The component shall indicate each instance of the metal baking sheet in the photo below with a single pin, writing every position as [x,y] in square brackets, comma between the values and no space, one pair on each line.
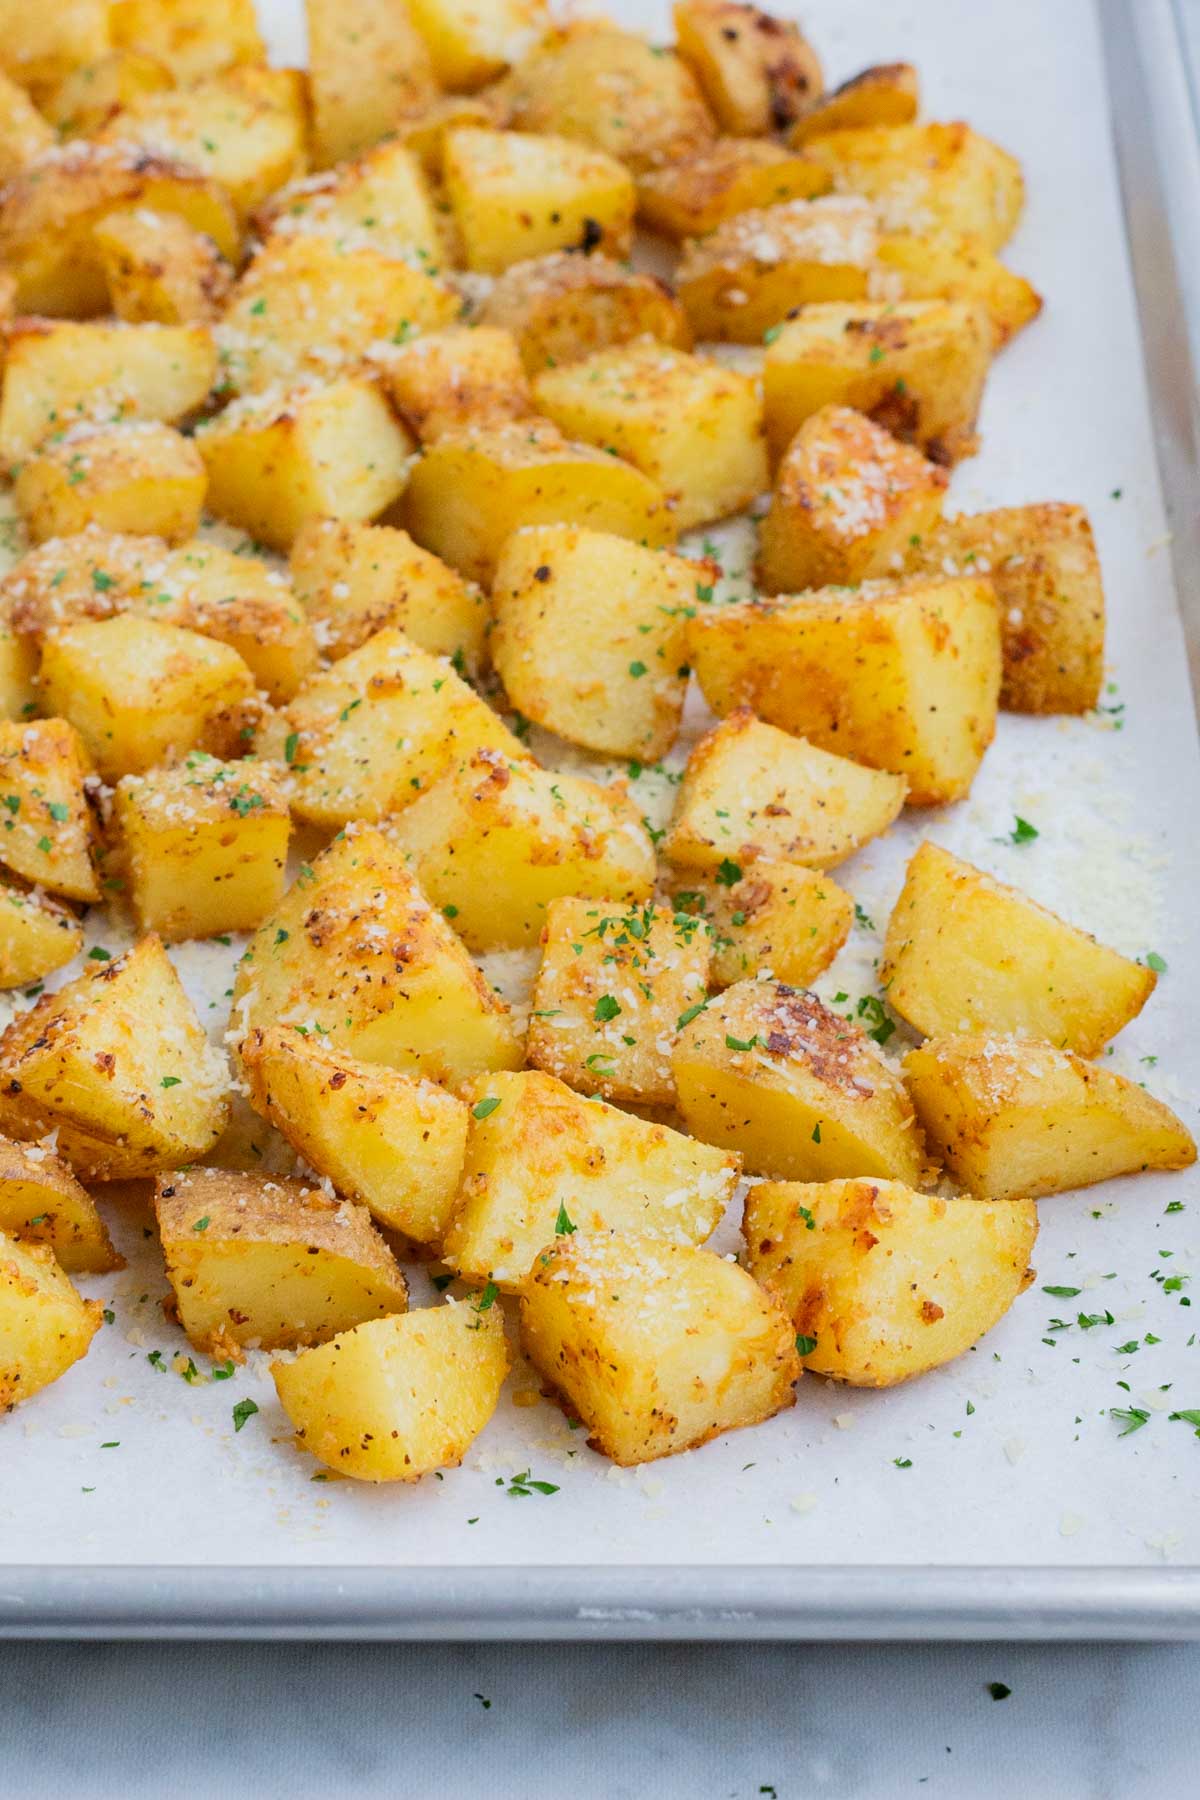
[996,1496]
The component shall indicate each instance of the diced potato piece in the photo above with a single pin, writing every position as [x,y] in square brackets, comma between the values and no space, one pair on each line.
[467,375]
[947,266]
[886,1283]
[115,1063]
[393,1141]
[614,90]
[1043,564]
[41,45]
[37,936]
[589,638]
[356,956]
[904,678]
[886,94]
[136,690]
[311,306]
[928,178]
[47,828]
[397,1398]
[24,133]
[239,601]
[159,269]
[473,41]
[693,427]
[800,1092]
[758,72]
[964,952]
[657,1347]
[44,1324]
[82,577]
[381,727]
[850,503]
[918,369]
[355,580]
[140,476]
[244,128]
[333,451]
[542,1161]
[515,195]
[206,845]
[42,1203]
[609,996]
[1009,1117]
[59,374]
[731,176]
[381,198]
[562,307]
[495,841]
[18,670]
[193,38]
[472,489]
[49,211]
[86,100]
[258,1260]
[778,919]
[765,266]
[751,791]
[425,132]
[369,67]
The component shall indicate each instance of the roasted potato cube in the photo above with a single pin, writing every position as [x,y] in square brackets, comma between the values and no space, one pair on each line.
[609,995]
[884,1283]
[310,306]
[918,369]
[160,270]
[954,267]
[42,1203]
[473,488]
[471,43]
[115,1063]
[1009,1117]
[368,68]
[731,176]
[355,955]
[59,374]
[905,678]
[239,601]
[964,952]
[1043,565]
[380,198]
[49,211]
[333,450]
[24,133]
[467,375]
[47,829]
[270,1263]
[37,936]
[18,667]
[381,727]
[562,307]
[764,266]
[141,476]
[614,90]
[425,132]
[657,1347]
[42,45]
[777,919]
[693,427]
[136,690]
[84,102]
[758,72]
[44,1324]
[393,1141]
[928,178]
[193,38]
[205,844]
[494,841]
[800,1092]
[396,1398]
[886,94]
[751,791]
[589,638]
[515,195]
[542,1161]
[850,503]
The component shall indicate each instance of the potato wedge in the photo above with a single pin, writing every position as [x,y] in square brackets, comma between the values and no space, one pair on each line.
[44,1324]
[48,831]
[42,1203]
[777,918]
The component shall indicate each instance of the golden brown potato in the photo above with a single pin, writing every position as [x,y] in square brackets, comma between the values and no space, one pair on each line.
[193,38]
[953,266]
[84,102]
[48,830]
[140,476]
[562,307]
[369,66]
[37,935]
[472,44]
[881,1283]
[43,44]
[465,375]
[380,198]
[731,176]
[657,1347]
[24,133]
[886,94]
[762,267]
[159,269]
[928,178]
[776,919]
[42,1203]
[758,72]
[516,195]
[44,1325]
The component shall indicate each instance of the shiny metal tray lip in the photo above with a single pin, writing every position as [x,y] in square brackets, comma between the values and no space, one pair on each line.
[1154,96]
